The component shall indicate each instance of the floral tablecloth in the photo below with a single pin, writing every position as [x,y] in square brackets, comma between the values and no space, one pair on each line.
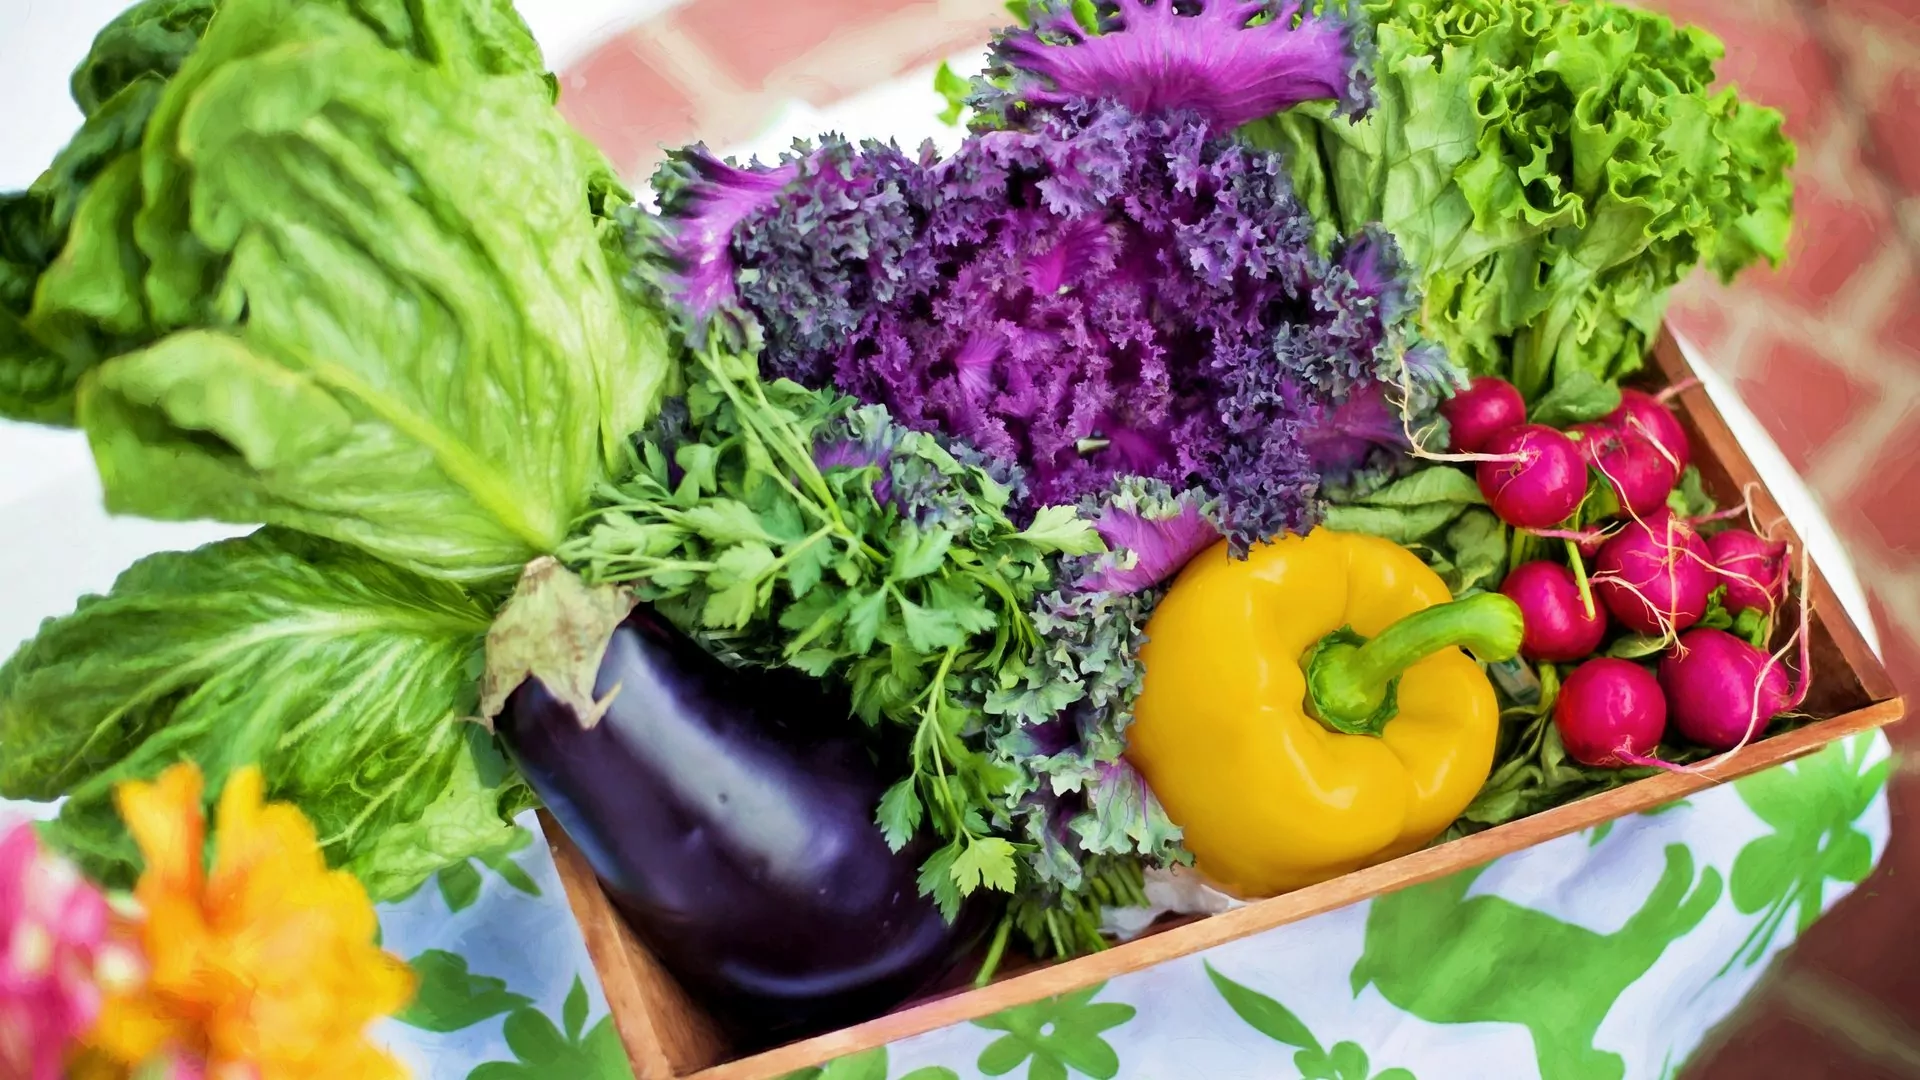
[1604,955]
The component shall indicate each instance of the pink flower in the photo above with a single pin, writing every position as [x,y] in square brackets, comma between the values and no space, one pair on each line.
[54,954]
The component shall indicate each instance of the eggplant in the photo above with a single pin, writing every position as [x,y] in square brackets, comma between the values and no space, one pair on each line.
[730,816]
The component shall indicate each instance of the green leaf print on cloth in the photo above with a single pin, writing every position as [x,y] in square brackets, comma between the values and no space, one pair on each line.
[460,883]
[868,1065]
[1448,959]
[1813,806]
[451,998]
[546,1052]
[1061,1036]
[1346,1061]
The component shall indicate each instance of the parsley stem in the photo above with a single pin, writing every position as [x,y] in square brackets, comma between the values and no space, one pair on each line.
[994,952]
[756,422]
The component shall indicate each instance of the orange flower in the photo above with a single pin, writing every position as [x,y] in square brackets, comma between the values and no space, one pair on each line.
[264,967]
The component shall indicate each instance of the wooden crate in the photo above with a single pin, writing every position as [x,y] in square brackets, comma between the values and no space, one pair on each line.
[668,1038]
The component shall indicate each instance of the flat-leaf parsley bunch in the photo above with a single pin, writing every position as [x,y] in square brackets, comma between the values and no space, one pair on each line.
[792,527]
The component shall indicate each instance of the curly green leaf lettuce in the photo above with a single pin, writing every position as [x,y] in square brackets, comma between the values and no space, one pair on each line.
[1552,169]
[344,678]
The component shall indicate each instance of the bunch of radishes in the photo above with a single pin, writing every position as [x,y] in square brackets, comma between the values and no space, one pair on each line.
[1654,573]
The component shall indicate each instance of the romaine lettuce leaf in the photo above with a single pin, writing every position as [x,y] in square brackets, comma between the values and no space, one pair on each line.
[69,270]
[339,267]
[346,679]
[403,329]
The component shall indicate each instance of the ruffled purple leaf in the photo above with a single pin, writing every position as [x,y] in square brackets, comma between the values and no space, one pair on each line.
[1100,295]
[845,453]
[1151,534]
[1123,815]
[1227,61]
[702,200]
[1352,436]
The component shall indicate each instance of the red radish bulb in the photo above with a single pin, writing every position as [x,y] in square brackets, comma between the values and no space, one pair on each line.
[1485,408]
[1540,489]
[1608,707]
[1639,474]
[1753,569]
[1642,414]
[1721,689]
[1558,628]
[1655,575]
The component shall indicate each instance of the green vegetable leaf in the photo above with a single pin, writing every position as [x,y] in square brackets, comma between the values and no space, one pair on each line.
[1412,508]
[380,335]
[1061,529]
[987,861]
[1477,541]
[1431,486]
[1402,526]
[955,90]
[451,998]
[1689,498]
[346,679]
[919,552]
[70,292]
[1636,647]
[900,813]
[1575,399]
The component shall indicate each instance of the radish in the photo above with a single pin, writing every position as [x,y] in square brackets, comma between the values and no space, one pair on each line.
[1655,575]
[1559,626]
[1644,415]
[1639,474]
[1723,691]
[1537,478]
[1753,569]
[1485,408]
[1610,713]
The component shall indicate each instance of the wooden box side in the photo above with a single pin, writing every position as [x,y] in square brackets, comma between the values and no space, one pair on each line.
[669,1039]
[665,1033]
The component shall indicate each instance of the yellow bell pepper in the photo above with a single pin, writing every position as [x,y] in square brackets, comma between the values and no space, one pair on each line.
[1306,712]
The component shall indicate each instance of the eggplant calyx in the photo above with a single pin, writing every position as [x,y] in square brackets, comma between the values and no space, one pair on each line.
[555,628]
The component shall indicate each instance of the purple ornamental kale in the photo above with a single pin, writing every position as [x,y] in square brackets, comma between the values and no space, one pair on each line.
[1110,288]
[1229,61]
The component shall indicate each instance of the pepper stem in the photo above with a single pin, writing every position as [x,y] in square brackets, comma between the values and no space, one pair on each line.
[1353,683]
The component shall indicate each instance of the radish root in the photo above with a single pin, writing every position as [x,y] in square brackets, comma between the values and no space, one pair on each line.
[1676,389]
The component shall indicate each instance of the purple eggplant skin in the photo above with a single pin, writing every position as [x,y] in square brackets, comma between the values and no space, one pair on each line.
[730,816]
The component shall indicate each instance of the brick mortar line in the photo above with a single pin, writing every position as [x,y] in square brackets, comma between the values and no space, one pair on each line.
[1863,1024]
[682,61]
[1820,25]
[826,61]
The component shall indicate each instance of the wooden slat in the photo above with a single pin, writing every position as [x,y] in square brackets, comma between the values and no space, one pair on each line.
[665,1033]
[669,1039]
[1201,935]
